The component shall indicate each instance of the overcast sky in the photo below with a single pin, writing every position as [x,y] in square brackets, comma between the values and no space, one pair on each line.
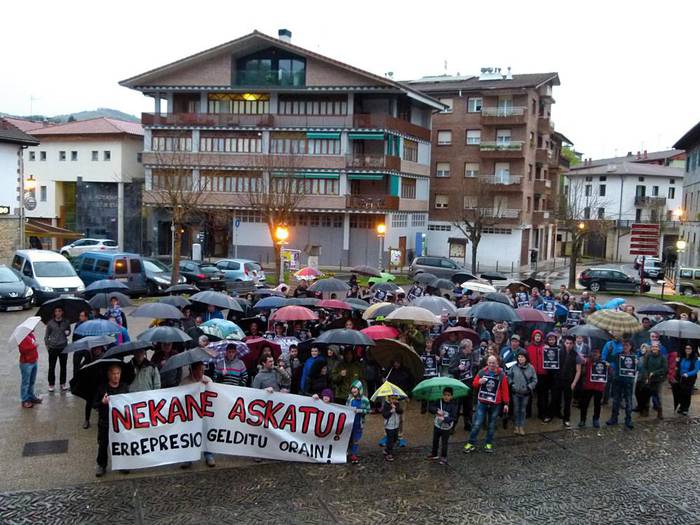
[629,70]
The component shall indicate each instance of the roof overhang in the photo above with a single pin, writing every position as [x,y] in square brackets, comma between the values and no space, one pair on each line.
[688,140]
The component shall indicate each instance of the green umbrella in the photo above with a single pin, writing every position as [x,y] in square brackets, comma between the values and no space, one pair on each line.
[431,389]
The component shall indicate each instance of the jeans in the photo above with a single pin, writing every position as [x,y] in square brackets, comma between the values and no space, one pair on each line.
[355,438]
[519,408]
[622,391]
[585,399]
[55,354]
[392,436]
[484,410]
[438,436]
[28,374]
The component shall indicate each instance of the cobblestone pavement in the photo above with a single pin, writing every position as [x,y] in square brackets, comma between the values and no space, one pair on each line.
[648,475]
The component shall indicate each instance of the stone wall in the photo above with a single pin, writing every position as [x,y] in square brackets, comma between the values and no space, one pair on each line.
[9,238]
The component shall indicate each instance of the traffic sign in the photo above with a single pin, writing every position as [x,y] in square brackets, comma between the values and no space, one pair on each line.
[237,223]
[4,210]
[644,239]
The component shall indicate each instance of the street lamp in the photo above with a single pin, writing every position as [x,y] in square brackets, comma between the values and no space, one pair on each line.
[681,245]
[581,225]
[281,236]
[381,230]
[30,183]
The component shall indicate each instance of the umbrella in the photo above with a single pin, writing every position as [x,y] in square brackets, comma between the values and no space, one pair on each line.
[220,347]
[84,383]
[245,306]
[72,306]
[531,282]
[559,309]
[387,351]
[613,303]
[530,315]
[182,288]
[157,311]
[386,287]
[265,292]
[494,276]
[256,344]
[379,310]
[88,343]
[464,312]
[270,302]
[105,286]
[379,331]
[222,329]
[186,358]
[357,304]
[384,277]
[329,285]
[175,300]
[127,349]
[493,311]
[218,299]
[514,286]
[587,330]
[498,297]
[677,328]
[388,389]
[302,301]
[293,313]
[343,336]
[436,305]
[431,389]
[97,327]
[24,329]
[363,269]
[656,309]
[413,315]
[476,286]
[442,284]
[679,308]
[307,274]
[462,277]
[424,277]
[462,333]
[333,304]
[103,300]
[614,321]
[164,334]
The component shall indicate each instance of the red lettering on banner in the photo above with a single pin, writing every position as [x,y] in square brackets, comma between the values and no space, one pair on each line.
[237,410]
[176,411]
[289,419]
[306,417]
[270,420]
[123,418]
[341,425]
[254,409]
[207,396]
[154,411]
[139,416]
[329,424]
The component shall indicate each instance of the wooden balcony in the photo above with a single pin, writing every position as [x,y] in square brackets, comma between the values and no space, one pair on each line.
[543,185]
[543,155]
[373,162]
[545,126]
[376,120]
[511,116]
[502,150]
[206,119]
[540,216]
[371,202]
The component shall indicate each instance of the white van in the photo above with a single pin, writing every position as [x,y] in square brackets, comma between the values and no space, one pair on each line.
[48,273]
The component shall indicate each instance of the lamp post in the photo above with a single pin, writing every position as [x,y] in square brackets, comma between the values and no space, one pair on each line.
[681,245]
[381,230]
[27,202]
[281,236]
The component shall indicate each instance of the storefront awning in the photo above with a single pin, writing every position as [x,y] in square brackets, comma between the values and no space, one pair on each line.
[323,135]
[366,136]
[42,229]
[365,176]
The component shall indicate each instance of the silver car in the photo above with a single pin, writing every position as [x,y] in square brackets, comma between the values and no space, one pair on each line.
[440,267]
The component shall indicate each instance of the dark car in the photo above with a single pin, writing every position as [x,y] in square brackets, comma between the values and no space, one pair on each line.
[158,276]
[440,267]
[203,276]
[14,293]
[598,279]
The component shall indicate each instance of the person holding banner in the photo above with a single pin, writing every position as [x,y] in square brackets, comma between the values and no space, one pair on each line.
[111,387]
[197,375]
[566,380]
[624,371]
[266,378]
[595,377]
[463,369]
[360,405]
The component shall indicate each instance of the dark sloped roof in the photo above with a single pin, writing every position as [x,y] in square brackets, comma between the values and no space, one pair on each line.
[654,155]
[14,135]
[691,138]
[446,83]
[627,168]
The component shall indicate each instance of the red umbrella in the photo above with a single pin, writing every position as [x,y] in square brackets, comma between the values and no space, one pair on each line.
[335,304]
[308,273]
[293,313]
[380,332]
[255,345]
[462,333]
[530,315]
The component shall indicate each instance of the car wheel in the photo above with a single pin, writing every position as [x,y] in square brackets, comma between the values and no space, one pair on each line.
[688,291]
[594,287]
[152,289]
[638,288]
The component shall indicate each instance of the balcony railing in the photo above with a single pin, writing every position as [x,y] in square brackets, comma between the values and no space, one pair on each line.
[540,215]
[368,120]
[542,185]
[503,213]
[371,202]
[543,155]
[500,179]
[369,161]
[641,200]
[503,112]
[513,145]
[206,119]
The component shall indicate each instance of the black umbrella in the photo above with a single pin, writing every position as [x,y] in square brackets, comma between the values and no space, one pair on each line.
[84,383]
[462,277]
[494,276]
[182,288]
[245,306]
[88,343]
[127,349]
[157,311]
[369,271]
[386,287]
[534,283]
[424,277]
[498,298]
[309,302]
[494,311]
[186,358]
[218,299]
[442,284]
[105,286]
[588,330]
[343,336]
[265,292]
[174,300]
[329,285]
[164,334]
[103,300]
[357,304]
[72,306]
[656,309]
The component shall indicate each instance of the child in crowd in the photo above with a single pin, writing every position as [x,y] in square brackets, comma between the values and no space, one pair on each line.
[391,410]
[446,411]
[115,311]
[360,404]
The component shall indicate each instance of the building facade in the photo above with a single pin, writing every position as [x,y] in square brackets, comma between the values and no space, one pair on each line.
[356,145]
[690,226]
[495,149]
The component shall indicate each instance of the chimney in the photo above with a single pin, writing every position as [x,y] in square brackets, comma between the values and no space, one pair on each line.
[645,154]
[509,75]
[285,35]
[639,154]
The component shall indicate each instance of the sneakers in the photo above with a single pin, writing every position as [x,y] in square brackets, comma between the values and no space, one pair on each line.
[100,471]
[210,461]
[468,448]
[388,457]
[611,422]
[547,419]
[86,424]
[432,458]
[443,461]
[567,424]
[522,431]
[629,425]
[596,423]
[581,424]
[488,447]
[64,387]
[683,412]
[36,400]
[354,459]
[51,388]
[27,404]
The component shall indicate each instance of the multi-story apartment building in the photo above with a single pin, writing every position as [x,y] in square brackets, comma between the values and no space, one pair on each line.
[690,211]
[245,111]
[494,141]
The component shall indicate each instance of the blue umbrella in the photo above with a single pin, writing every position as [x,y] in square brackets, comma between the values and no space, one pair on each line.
[222,329]
[613,303]
[267,303]
[97,327]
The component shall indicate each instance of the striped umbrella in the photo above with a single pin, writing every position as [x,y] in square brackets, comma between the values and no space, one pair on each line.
[614,321]
[307,274]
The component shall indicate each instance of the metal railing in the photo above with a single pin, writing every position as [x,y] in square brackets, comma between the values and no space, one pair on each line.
[513,145]
[516,111]
[505,180]
[643,200]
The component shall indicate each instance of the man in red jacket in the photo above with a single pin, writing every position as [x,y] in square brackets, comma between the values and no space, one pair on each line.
[28,358]
[491,387]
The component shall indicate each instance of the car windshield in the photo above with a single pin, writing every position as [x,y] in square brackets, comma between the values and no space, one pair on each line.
[111,244]
[8,276]
[155,266]
[54,269]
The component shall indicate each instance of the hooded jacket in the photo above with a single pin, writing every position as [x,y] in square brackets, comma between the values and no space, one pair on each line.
[306,372]
[360,403]
[522,379]
[28,353]
[266,379]
[502,395]
[534,353]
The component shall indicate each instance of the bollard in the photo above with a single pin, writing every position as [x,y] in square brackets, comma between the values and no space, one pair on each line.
[496,265]
[511,268]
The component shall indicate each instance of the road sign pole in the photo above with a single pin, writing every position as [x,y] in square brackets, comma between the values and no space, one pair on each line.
[236,225]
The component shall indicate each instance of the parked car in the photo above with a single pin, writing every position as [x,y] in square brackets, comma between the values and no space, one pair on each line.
[653,268]
[88,245]
[158,276]
[689,280]
[238,270]
[14,293]
[441,267]
[47,273]
[203,276]
[599,279]
[124,267]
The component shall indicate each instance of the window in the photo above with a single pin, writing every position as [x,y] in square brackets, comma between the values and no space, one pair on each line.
[139,157]
[589,179]
[655,191]
[497,231]
[672,181]
[602,178]
[135,265]
[587,212]
[96,155]
[442,169]
[42,193]
[88,264]
[638,215]
[601,213]
[408,188]
[471,169]
[174,143]
[306,186]
[449,103]
[672,193]
[410,150]
[640,191]
[73,155]
[239,104]
[474,104]
[271,67]
[42,155]
[418,219]
[601,190]
[61,155]
[441,201]
[227,143]
[439,228]
[444,138]
[470,202]
[102,266]
[230,182]
[588,190]
[641,179]
[474,136]
[106,155]
[399,220]
[529,172]
[315,106]
[503,136]
[532,138]
[32,155]
[529,204]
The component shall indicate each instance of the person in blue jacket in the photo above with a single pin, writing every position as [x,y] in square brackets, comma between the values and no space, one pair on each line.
[686,375]
[610,351]
[212,313]
[306,371]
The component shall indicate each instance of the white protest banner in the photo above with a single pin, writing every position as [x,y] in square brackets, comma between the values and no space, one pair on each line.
[157,427]
[287,427]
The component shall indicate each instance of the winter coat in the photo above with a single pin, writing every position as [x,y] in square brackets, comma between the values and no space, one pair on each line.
[653,369]
[391,420]
[102,409]
[534,353]
[360,403]
[232,373]
[55,336]
[146,377]
[266,379]
[341,384]
[28,353]
[522,379]
[502,395]
[306,372]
